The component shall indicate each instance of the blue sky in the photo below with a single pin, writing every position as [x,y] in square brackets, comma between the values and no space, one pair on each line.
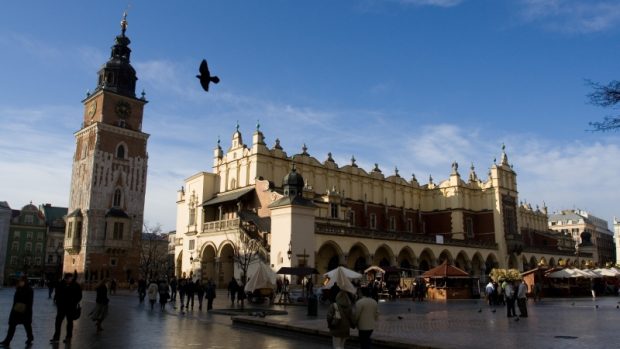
[415,84]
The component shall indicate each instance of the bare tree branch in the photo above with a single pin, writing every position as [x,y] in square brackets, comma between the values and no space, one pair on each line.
[607,96]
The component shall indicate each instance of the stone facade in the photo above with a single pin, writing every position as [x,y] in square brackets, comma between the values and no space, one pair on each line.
[617,239]
[5,222]
[108,183]
[25,249]
[589,232]
[55,234]
[357,217]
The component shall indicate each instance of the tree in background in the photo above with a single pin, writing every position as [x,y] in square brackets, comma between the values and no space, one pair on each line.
[246,251]
[154,261]
[607,96]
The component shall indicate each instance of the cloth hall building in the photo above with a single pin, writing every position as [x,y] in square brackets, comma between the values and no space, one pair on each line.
[298,211]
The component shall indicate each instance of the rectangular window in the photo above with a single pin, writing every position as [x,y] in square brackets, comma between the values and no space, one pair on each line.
[29,219]
[113,262]
[78,231]
[373,221]
[16,235]
[410,225]
[15,246]
[352,218]
[392,223]
[28,247]
[38,248]
[70,230]
[39,236]
[50,259]
[28,260]
[192,244]
[13,260]
[29,235]
[117,234]
[333,208]
[469,227]
[37,261]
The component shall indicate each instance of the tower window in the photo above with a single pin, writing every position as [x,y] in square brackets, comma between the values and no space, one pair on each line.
[117,198]
[120,152]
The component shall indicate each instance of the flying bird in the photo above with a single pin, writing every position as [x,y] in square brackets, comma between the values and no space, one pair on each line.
[205,76]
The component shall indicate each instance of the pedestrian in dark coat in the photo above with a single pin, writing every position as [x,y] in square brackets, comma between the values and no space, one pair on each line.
[200,292]
[210,293]
[68,296]
[190,290]
[141,289]
[21,312]
[233,286]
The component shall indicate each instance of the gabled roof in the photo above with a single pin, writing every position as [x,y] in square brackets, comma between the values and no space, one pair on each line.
[445,270]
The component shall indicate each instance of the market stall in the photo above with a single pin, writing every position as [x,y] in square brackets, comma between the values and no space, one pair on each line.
[449,282]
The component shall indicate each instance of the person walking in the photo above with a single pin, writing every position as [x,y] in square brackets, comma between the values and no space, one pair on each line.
[232,290]
[366,316]
[164,294]
[490,291]
[141,289]
[182,288]
[173,289]
[340,319]
[152,293]
[522,298]
[113,287]
[100,312]
[190,290]
[21,312]
[200,292]
[241,296]
[509,294]
[210,293]
[51,284]
[68,296]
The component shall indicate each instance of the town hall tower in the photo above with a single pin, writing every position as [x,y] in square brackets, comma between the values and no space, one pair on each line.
[108,180]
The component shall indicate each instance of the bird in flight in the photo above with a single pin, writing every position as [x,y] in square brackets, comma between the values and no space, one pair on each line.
[205,76]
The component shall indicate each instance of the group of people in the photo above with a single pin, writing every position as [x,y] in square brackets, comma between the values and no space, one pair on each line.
[67,296]
[350,311]
[509,293]
[186,288]
[236,291]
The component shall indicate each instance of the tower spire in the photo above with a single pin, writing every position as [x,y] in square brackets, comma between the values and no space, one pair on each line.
[124,24]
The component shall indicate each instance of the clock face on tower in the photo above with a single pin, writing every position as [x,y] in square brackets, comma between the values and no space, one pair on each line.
[92,109]
[123,109]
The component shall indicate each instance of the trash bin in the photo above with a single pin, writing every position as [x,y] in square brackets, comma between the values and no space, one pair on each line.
[313,304]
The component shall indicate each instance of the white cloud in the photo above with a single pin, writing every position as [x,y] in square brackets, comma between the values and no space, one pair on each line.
[573,16]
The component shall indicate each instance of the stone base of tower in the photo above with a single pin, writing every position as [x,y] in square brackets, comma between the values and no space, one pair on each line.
[97,266]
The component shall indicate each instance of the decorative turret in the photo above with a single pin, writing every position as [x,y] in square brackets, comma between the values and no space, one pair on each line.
[472,174]
[293,183]
[117,74]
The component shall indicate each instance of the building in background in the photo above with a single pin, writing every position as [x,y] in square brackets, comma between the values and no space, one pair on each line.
[108,181]
[26,242]
[589,233]
[5,222]
[298,211]
[54,246]
[617,239]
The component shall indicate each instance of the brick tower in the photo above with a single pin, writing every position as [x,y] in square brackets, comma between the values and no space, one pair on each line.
[108,180]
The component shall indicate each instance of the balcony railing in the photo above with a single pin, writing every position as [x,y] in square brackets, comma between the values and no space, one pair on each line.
[398,236]
[216,226]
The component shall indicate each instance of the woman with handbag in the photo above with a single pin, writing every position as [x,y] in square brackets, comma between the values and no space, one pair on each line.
[340,319]
[21,312]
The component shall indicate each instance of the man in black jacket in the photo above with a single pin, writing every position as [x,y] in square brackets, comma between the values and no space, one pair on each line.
[68,295]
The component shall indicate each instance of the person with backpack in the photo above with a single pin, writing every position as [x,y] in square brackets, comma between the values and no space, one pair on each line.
[340,319]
